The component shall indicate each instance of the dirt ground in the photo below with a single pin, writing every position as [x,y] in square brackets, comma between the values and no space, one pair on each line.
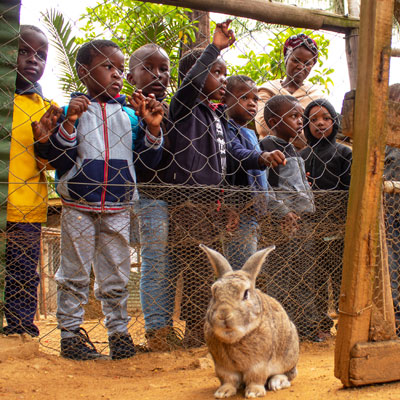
[28,370]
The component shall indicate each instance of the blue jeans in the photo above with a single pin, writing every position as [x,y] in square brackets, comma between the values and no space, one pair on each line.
[243,242]
[22,279]
[157,290]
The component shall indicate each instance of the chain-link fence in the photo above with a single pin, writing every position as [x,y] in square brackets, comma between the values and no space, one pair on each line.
[123,259]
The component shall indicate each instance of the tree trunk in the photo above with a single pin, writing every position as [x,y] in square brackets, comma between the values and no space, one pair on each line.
[201,20]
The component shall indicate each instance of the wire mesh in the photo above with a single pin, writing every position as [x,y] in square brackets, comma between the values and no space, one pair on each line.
[121,262]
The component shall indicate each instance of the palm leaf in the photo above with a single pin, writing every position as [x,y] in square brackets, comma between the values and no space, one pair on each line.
[66,48]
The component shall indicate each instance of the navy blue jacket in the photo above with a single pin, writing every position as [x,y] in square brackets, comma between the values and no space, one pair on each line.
[194,157]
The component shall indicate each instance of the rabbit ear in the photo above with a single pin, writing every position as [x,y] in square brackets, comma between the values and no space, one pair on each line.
[218,261]
[253,265]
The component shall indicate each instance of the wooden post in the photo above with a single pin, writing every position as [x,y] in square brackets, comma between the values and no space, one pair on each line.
[352,44]
[361,240]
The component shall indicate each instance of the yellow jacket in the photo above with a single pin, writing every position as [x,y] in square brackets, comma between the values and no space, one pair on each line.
[27,186]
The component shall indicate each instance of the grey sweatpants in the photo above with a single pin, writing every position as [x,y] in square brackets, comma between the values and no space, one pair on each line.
[99,240]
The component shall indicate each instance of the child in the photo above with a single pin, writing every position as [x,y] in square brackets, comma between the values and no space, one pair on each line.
[149,71]
[92,151]
[292,283]
[198,156]
[27,188]
[241,99]
[328,167]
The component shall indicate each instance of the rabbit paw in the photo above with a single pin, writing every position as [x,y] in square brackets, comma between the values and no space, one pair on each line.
[225,390]
[278,382]
[253,390]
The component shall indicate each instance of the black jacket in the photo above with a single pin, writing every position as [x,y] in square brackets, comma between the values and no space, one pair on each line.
[194,152]
[327,162]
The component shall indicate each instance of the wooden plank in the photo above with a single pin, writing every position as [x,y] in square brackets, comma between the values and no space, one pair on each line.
[362,239]
[383,326]
[375,362]
[393,119]
[273,13]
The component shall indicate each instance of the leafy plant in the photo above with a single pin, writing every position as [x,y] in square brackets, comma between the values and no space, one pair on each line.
[66,48]
[265,66]
[131,24]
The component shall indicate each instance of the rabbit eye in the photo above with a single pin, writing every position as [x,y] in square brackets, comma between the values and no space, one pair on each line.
[246,294]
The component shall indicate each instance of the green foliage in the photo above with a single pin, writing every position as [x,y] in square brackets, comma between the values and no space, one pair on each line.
[141,23]
[66,48]
[130,24]
[262,67]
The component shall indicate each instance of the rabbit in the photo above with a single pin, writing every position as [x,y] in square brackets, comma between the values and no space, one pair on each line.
[248,333]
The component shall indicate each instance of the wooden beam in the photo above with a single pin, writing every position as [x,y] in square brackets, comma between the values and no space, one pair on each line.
[383,325]
[393,119]
[375,362]
[395,52]
[273,13]
[361,239]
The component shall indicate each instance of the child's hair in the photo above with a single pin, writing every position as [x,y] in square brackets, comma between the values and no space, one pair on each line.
[91,49]
[24,28]
[235,80]
[136,57]
[276,104]
[394,92]
[187,61]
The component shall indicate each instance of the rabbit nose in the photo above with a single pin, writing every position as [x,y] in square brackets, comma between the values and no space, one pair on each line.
[224,313]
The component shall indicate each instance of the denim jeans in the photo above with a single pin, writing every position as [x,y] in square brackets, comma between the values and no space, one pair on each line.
[22,279]
[243,242]
[157,290]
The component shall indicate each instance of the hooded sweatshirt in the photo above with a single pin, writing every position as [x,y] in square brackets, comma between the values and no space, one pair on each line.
[95,161]
[327,162]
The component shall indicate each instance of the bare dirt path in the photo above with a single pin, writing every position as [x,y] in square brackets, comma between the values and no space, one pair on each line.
[26,372]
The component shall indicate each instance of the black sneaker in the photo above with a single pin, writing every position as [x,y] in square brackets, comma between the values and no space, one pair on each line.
[79,347]
[31,330]
[121,346]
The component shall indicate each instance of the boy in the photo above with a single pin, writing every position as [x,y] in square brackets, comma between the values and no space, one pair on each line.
[149,71]
[198,156]
[292,284]
[328,166]
[241,100]
[92,151]
[27,188]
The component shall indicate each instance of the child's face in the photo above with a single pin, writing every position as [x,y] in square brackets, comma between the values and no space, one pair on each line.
[32,55]
[215,84]
[242,103]
[290,124]
[321,123]
[152,74]
[103,77]
[299,64]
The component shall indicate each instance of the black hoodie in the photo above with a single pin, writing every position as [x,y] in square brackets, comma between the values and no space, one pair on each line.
[327,162]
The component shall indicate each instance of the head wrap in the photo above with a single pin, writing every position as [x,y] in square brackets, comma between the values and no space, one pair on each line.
[295,41]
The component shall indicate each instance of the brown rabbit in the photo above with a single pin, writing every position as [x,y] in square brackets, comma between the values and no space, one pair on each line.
[248,333]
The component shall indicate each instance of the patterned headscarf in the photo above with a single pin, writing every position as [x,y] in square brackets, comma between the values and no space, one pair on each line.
[295,41]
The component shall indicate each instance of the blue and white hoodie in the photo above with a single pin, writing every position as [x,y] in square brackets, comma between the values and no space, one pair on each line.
[95,162]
